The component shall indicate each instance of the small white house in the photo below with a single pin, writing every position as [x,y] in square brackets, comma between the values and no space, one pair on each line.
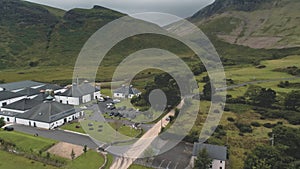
[78,94]
[126,92]
[48,115]
[218,154]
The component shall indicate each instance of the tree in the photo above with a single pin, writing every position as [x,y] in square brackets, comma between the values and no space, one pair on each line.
[292,101]
[267,157]
[203,161]
[259,96]
[73,155]
[289,138]
[85,149]
[2,122]
[208,90]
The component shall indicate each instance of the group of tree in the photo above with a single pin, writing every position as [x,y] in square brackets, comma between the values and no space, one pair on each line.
[284,153]
[164,82]
[259,96]
[292,101]
[2,122]
[203,160]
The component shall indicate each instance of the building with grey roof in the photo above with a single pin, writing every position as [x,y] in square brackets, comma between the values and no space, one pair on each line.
[78,94]
[16,86]
[126,92]
[48,115]
[218,154]
[7,97]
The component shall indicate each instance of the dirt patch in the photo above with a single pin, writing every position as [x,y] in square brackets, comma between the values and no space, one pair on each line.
[64,150]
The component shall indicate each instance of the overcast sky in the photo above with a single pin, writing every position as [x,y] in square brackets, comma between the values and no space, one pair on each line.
[181,8]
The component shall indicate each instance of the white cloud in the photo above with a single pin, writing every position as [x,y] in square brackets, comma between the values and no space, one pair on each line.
[181,8]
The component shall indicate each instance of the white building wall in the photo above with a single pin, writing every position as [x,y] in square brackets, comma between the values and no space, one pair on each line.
[8,118]
[12,100]
[67,100]
[97,95]
[218,164]
[73,100]
[32,122]
[11,110]
[52,125]
[86,98]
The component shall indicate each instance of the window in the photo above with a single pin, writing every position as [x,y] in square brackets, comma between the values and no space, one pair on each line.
[221,167]
[221,161]
[4,104]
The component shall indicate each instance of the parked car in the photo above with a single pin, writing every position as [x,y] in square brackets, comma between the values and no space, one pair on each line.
[116,101]
[8,128]
[116,114]
[109,104]
[102,99]
[111,107]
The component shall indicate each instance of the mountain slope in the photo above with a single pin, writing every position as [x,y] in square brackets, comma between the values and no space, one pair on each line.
[33,34]
[253,23]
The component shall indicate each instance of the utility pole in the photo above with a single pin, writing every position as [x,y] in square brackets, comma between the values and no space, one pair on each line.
[272,140]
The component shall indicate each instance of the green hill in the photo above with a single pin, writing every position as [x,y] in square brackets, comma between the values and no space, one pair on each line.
[33,34]
[254,23]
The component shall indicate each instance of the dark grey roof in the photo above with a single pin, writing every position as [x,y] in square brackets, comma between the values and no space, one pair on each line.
[50,86]
[28,91]
[79,91]
[5,95]
[214,151]
[48,111]
[126,90]
[20,85]
[40,97]
[23,105]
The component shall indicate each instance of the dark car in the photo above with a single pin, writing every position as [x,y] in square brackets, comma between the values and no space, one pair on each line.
[116,114]
[111,107]
[111,114]
[8,128]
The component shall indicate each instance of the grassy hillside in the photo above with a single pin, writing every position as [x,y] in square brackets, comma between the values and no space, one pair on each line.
[257,24]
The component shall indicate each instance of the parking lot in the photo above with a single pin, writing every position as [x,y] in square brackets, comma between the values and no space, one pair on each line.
[177,158]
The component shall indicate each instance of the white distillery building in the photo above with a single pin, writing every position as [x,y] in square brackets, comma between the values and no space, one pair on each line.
[7,97]
[49,115]
[78,94]
[126,92]
[218,154]
[10,111]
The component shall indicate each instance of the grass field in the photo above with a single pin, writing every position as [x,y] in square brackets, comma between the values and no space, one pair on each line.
[27,142]
[72,127]
[90,160]
[136,166]
[12,161]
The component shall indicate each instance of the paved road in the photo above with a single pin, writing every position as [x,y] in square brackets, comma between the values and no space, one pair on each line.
[58,135]
[143,143]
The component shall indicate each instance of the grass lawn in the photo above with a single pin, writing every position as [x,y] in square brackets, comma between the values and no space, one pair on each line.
[126,130]
[90,160]
[136,166]
[12,161]
[110,159]
[72,127]
[27,142]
